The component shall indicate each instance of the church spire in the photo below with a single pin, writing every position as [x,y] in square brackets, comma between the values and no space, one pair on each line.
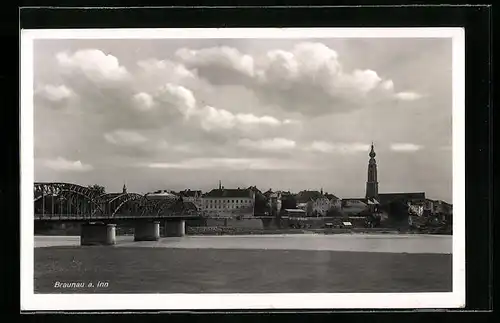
[372,183]
[372,152]
[124,189]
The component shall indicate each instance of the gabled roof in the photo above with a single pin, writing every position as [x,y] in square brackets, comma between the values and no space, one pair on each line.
[306,196]
[189,193]
[331,196]
[229,193]
[268,193]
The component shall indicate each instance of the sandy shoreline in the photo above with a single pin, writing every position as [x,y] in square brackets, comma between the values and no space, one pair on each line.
[399,243]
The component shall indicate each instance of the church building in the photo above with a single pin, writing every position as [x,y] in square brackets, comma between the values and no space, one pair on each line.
[373,200]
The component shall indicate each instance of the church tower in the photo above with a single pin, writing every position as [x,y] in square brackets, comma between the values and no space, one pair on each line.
[124,189]
[372,183]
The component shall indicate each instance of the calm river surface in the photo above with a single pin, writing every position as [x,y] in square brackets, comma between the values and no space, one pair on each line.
[391,243]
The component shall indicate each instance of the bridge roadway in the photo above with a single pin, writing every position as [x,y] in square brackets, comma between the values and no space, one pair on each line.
[109,219]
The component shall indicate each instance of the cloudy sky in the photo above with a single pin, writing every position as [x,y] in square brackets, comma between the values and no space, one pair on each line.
[286,114]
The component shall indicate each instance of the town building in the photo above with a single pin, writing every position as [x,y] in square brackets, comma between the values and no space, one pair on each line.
[223,202]
[194,197]
[335,202]
[162,195]
[274,200]
[316,203]
[321,205]
[354,206]
[439,208]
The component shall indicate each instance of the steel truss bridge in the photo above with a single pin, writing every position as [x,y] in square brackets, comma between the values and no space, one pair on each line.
[66,201]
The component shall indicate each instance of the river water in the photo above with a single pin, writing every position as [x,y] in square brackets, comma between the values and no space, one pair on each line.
[391,243]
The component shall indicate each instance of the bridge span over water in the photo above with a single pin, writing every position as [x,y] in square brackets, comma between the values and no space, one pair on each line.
[99,214]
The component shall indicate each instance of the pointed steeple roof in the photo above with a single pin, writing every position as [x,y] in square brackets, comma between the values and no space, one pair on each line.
[372,151]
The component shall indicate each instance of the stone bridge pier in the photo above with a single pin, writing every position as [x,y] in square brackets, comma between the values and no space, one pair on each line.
[175,228]
[147,231]
[97,234]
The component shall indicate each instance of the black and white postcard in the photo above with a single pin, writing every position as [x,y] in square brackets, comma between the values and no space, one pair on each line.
[231,168]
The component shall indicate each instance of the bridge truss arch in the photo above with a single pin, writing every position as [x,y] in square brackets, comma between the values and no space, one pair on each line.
[64,198]
[75,201]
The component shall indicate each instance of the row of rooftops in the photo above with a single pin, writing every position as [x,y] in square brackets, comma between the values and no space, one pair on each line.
[301,197]
[248,193]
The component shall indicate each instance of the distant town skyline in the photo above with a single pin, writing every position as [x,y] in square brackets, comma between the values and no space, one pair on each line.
[285,114]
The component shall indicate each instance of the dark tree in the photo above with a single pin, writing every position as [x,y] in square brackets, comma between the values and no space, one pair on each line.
[397,210]
[261,204]
[98,189]
[288,202]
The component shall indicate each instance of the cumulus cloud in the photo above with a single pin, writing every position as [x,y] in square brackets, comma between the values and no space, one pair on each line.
[327,147]
[408,96]
[222,108]
[157,67]
[183,100]
[223,58]
[62,164]
[405,147]
[212,118]
[153,73]
[178,97]
[267,144]
[309,78]
[143,101]
[55,93]
[95,64]
[232,163]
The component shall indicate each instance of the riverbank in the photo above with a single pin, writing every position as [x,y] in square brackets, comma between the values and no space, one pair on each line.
[399,243]
[209,231]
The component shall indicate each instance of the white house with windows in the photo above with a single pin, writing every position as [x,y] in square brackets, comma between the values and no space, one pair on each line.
[321,205]
[316,203]
[228,203]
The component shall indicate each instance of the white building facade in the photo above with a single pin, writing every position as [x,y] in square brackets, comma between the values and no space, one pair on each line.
[228,203]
